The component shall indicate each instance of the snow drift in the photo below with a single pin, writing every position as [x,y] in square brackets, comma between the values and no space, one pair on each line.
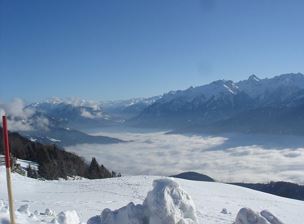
[167,203]
[67,217]
[248,216]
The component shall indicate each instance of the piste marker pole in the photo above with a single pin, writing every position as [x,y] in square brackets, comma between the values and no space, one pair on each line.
[8,170]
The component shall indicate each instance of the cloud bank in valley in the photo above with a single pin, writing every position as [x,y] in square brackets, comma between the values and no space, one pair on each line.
[250,158]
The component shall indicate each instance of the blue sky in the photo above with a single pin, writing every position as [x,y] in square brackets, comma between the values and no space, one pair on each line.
[117,49]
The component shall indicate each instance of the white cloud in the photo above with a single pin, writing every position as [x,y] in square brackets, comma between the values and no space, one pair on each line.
[91,115]
[226,158]
[16,108]
[41,123]
[20,117]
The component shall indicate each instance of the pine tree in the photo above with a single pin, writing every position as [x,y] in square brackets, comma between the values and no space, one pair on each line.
[94,169]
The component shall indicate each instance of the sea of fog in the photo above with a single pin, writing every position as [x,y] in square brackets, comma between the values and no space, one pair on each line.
[229,157]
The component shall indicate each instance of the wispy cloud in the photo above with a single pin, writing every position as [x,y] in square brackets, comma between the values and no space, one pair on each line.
[226,158]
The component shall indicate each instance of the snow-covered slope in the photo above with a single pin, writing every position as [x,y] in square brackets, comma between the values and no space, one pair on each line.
[89,197]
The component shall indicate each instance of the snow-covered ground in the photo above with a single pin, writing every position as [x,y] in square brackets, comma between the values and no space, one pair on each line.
[23,163]
[215,202]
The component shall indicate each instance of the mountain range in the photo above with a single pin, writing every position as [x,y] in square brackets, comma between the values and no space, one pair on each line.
[270,105]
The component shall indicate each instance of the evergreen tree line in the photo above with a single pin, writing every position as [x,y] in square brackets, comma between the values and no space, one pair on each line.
[53,162]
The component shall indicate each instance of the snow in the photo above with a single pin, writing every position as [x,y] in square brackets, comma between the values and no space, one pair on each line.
[33,139]
[215,89]
[130,214]
[49,212]
[270,217]
[248,216]
[167,203]
[24,209]
[25,164]
[89,198]
[254,78]
[229,89]
[53,139]
[68,217]
[129,102]
[255,87]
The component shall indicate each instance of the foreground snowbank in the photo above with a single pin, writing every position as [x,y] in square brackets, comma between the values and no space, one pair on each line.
[167,203]
[24,216]
[215,202]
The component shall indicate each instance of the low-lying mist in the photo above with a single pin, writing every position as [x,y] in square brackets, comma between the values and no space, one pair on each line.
[229,158]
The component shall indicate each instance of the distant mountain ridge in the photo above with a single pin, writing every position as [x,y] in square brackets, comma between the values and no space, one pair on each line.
[279,188]
[194,176]
[85,114]
[126,109]
[73,113]
[64,121]
[270,105]
[58,121]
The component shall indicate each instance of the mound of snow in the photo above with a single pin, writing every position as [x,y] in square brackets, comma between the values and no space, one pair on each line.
[3,207]
[167,203]
[24,209]
[130,214]
[24,216]
[248,216]
[49,212]
[67,217]
[270,217]
[224,211]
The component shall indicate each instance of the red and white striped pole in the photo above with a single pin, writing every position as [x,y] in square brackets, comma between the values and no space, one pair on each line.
[8,170]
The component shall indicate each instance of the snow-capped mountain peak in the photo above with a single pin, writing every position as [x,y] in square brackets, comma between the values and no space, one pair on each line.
[54,100]
[254,78]
[213,90]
